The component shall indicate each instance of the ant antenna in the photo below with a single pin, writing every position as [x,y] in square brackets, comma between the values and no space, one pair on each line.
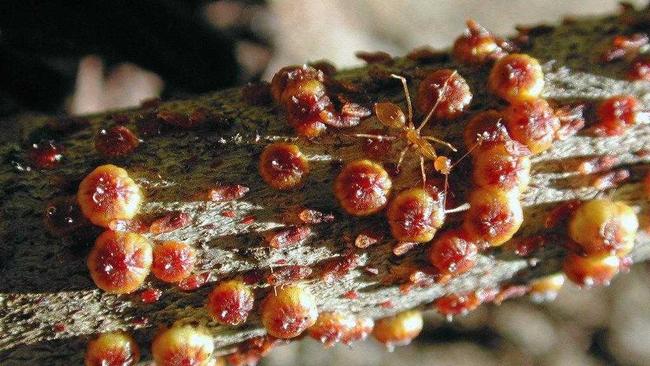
[408,97]
[479,141]
[434,139]
[441,94]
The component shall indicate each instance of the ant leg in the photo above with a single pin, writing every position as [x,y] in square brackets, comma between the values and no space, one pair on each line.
[374,137]
[401,157]
[441,94]
[408,97]
[424,176]
[460,208]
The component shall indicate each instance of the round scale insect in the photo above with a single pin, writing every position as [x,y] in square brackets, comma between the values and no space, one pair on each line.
[116,141]
[107,194]
[415,216]
[399,329]
[331,327]
[494,215]
[362,187]
[182,345]
[447,91]
[484,129]
[45,154]
[532,123]
[591,270]
[230,302]
[173,261]
[453,253]
[302,92]
[499,166]
[63,216]
[289,80]
[602,226]
[616,114]
[112,349]
[251,351]
[288,311]
[457,304]
[119,262]
[516,78]
[283,166]
[476,46]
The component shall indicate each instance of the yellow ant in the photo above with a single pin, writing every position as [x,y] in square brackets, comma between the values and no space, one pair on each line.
[392,116]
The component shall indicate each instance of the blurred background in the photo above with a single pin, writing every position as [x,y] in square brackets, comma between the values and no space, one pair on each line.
[84,57]
[60,56]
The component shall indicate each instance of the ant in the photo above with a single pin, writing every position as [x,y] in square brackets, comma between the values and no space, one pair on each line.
[392,116]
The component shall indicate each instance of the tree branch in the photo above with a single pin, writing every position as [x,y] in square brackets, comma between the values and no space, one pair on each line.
[49,304]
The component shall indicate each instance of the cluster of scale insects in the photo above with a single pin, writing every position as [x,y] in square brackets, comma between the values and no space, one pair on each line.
[598,234]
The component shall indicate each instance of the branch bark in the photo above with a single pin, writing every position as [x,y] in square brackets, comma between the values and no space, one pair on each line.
[49,305]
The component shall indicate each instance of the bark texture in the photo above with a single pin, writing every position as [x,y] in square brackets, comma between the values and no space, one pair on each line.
[49,305]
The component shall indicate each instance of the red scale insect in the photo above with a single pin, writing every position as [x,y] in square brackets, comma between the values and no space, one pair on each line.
[617,114]
[289,311]
[457,304]
[230,302]
[288,274]
[399,329]
[331,327]
[46,154]
[112,349]
[169,222]
[452,253]
[283,166]
[120,262]
[288,237]
[640,70]
[477,45]
[173,261]
[116,141]
[362,187]
[227,192]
